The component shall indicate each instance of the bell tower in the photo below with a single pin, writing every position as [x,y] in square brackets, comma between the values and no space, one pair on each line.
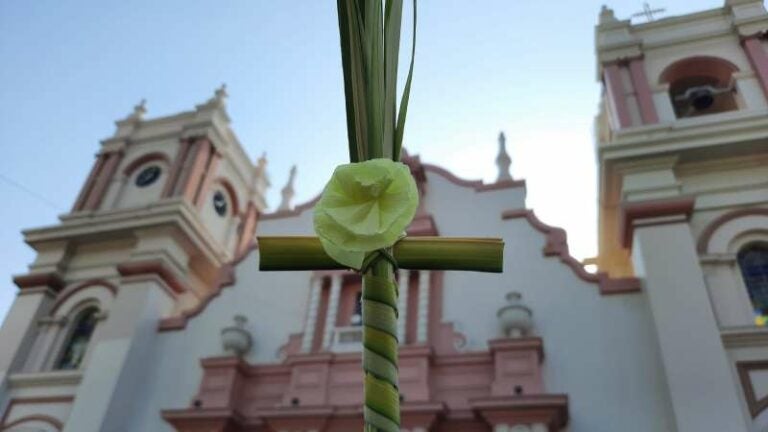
[682,145]
[169,205]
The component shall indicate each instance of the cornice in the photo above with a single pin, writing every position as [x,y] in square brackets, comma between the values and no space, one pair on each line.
[174,212]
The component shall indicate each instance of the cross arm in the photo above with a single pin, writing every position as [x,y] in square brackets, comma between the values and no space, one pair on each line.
[413,253]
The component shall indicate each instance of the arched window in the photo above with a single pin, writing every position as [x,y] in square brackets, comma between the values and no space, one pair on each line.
[700,86]
[80,334]
[753,262]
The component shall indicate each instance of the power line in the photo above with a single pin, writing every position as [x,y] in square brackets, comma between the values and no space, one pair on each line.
[31,193]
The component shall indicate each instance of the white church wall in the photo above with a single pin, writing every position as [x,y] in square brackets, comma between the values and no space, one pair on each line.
[274,304]
[590,341]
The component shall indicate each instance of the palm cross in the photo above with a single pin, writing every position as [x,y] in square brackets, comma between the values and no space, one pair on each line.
[368,203]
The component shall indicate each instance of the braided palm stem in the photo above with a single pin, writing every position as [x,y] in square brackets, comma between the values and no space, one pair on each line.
[382,398]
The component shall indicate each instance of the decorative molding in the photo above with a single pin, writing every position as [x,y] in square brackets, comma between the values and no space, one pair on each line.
[705,236]
[69,291]
[141,160]
[549,409]
[226,278]
[38,418]
[745,337]
[653,212]
[156,267]
[477,185]
[52,280]
[45,379]
[175,170]
[31,400]
[756,406]
[231,192]
[557,245]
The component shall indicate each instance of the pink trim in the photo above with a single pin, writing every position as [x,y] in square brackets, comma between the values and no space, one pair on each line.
[138,162]
[210,175]
[322,311]
[178,163]
[102,181]
[552,410]
[412,311]
[477,185]
[69,291]
[39,418]
[557,245]
[422,225]
[643,91]
[248,229]
[753,47]
[323,391]
[715,66]
[193,170]
[88,185]
[205,420]
[232,194]
[32,400]
[226,277]
[155,267]
[617,94]
[349,289]
[706,235]
[51,280]
[632,211]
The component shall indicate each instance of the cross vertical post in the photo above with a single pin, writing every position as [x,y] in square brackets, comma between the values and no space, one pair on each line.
[370,202]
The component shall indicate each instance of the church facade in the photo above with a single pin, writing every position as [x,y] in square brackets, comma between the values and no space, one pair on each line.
[145,310]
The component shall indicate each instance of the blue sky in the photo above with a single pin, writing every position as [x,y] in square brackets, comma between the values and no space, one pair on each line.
[71,68]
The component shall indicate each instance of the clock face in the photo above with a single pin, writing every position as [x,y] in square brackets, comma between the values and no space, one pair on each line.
[147,176]
[220,203]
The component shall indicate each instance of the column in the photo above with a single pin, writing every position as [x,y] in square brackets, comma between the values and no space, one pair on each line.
[702,389]
[176,168]
[616,96]
[311,320]
[194,168]
[209,175]
[422,325]
[402,304]
[103,180]
[642,91]
[753,47]
[115,377]
[88,185]
[333,308]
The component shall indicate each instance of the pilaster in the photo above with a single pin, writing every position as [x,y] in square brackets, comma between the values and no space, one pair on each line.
[402,304]
[312,309]
[694,359]
[422,325]
[115,376]
[333,309]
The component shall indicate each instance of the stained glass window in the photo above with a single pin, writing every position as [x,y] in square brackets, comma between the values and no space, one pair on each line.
[77,344]
[753,261]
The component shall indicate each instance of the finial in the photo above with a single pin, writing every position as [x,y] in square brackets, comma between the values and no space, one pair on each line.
[221,93]
[139,110]
[287,192]
[503,161]
[606,15]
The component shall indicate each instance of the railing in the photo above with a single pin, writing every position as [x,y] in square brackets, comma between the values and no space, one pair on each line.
[347,339]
